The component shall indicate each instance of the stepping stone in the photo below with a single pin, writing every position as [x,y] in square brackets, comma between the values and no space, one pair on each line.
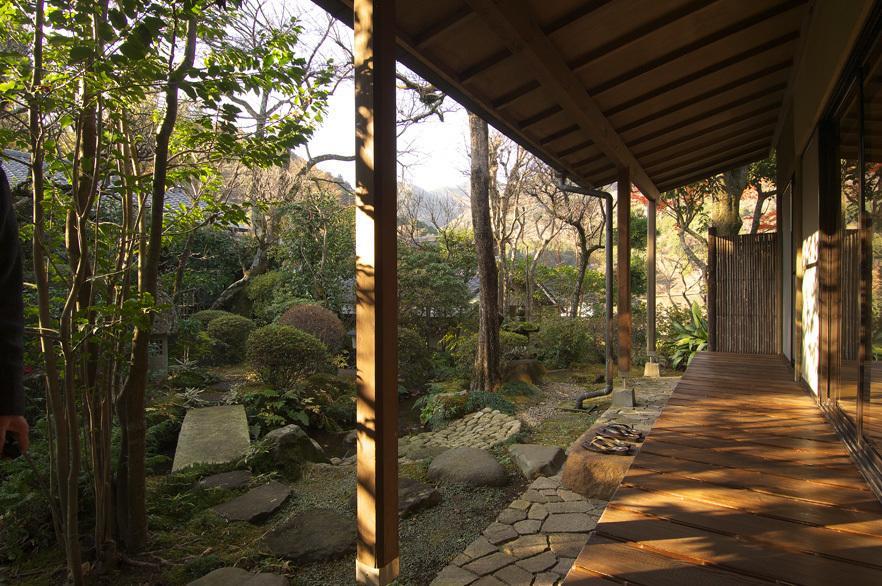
[239,577]
[514,576]
[526,546]
[569,523]
[212,435]
[538,563]
[489,581]
[534,460]
[311,536]
[528,526]
[510,516]
[489,564]
[257,505]
[226,480]
[546,579]
[471,466]
[538,511]
[498,533]
[415,496]
[454,576]
[569,507]
[545,483]
[563,566]
[568,545]
[479,548]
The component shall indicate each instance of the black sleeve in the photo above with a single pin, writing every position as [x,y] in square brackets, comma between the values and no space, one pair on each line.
[11,308]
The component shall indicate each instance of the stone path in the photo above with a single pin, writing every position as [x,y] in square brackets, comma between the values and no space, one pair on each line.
[483,429]
[538,537]
[212,435]
[533,541]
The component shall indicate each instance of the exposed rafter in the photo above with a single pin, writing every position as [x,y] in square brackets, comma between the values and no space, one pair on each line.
[514,24]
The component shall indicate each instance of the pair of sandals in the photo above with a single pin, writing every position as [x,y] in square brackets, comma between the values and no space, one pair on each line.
[614,438]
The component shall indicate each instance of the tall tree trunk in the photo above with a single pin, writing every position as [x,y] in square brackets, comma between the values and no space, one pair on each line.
[63,436]
[486,372]
[727,215]
[132,466]
[582,239]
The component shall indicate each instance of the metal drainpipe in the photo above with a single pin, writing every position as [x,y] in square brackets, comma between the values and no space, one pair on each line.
[567,187]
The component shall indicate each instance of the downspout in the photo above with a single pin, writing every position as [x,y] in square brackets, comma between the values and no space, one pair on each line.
[564,186]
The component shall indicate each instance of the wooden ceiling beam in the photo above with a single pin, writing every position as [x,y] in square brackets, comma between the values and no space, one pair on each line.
[539,117]
[574,149]
[728,159]
[559,134]
[519,92]
[441,26]
[583,10]
[473,71]
[707,140]
[711,171]
[695,46]
[749,144]
[677,84]
[516,25]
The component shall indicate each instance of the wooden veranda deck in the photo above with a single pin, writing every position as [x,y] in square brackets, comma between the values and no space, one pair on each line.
[741,481]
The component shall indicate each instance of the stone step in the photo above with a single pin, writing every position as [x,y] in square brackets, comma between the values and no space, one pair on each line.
[212,435]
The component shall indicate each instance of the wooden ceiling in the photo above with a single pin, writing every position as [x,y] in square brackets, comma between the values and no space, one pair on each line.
[676,90]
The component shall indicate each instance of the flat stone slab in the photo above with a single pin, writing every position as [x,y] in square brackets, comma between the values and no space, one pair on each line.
[257,505]
[454,576]
[311,536]
[212,435]
[534,460]
[239,577]
[415,496]
[489,564]
[569,523]
[471,466]
[226,480]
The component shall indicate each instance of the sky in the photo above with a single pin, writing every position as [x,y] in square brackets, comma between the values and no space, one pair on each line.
[432,154]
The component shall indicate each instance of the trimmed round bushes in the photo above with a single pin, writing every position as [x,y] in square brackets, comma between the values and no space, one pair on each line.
[318,321]
[283,355]
[206,316]
[229,333]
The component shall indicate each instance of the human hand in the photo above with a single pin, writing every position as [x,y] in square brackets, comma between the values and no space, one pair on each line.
[19,426]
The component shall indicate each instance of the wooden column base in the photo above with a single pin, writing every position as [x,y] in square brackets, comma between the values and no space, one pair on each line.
[368,576]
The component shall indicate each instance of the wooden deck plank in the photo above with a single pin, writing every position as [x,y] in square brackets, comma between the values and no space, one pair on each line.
[742,477]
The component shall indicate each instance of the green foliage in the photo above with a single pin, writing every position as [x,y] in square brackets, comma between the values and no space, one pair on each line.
[464,347]
[433,292]
[447,401]
[261,291]
[414,358]
[283,355]
[318,321]
[516,389]
[317,247]
[206,316]
[562,341]
[691,337]
[230,333]
[321,401]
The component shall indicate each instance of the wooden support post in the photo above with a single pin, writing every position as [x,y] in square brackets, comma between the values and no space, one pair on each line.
[376,308]
[712,289]
[650,280]
[624,271]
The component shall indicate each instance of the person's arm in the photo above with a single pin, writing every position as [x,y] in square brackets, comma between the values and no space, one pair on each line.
[11,324]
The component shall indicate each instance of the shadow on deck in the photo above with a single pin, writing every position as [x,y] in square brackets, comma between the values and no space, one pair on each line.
[741,481]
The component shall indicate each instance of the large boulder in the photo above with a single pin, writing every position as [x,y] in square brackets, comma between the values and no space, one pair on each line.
[285,450]
[534,460]
[311,536]
[526,370]
[472,466]
[238,577]
[256,505]
[592,474]
[413,496]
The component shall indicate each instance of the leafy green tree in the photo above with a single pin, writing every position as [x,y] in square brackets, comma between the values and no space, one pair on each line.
[113,109]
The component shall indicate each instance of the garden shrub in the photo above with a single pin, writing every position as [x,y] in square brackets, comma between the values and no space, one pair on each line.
[564,341]
[445,403]
[414,359]
[191,342]
[318,321]
[321,401]
[261,291]
[284,355]
[518,388]
[512,346]
[206,316]
[691,337]
[230,333]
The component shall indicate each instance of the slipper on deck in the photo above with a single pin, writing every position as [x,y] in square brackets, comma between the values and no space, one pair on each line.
[620,431]
[605,445]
